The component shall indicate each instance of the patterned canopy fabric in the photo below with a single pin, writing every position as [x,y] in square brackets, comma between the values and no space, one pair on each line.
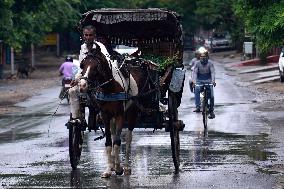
[132,26]
[154,31]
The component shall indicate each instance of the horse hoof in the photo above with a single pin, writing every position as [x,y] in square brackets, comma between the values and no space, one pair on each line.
[106,175]
[127,171]
[119,172]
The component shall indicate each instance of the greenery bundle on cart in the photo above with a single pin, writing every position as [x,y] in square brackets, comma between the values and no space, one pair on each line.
[163,62]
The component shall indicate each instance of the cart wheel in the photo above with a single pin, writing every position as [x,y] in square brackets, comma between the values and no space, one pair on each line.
[174,133]
[75,145]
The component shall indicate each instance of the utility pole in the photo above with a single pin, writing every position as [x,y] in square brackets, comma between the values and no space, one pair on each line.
[256,52]
[57,44]
[12,61]
[32,55]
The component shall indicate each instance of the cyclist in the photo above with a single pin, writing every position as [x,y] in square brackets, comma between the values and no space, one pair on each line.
[191,67]
[66,70]
[204,73]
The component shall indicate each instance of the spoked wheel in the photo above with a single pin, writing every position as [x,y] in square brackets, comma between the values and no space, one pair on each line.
[75,145]
[205,110]
[174,132]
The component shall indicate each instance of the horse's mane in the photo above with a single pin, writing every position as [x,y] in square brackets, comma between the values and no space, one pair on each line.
[97,53]
[103,64]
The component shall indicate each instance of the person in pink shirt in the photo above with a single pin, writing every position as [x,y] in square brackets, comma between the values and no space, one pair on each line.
[66,69]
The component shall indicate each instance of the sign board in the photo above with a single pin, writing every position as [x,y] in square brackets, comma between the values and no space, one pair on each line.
[50,39]
[248,47]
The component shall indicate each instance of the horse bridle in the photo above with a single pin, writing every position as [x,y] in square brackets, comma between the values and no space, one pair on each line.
[91,82]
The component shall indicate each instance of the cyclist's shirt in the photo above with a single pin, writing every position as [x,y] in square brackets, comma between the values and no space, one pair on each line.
[67,69]
[204,73]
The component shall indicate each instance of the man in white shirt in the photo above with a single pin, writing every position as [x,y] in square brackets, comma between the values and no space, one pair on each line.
[89,44]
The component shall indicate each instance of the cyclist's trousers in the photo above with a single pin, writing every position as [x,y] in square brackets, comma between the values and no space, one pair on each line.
[210,96]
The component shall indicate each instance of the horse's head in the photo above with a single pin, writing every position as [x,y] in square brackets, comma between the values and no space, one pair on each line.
[95,69]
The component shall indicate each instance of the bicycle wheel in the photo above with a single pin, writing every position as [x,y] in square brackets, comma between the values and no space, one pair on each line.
[75,145]
[174,133]
[205,109]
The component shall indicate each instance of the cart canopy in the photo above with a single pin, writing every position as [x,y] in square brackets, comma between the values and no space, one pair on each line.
[133,26]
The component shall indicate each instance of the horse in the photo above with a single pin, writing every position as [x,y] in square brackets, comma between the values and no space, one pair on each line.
[104,79]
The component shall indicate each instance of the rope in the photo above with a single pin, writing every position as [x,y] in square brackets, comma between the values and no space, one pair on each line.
[52,116]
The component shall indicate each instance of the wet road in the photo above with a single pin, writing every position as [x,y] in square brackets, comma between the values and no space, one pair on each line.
[234,153]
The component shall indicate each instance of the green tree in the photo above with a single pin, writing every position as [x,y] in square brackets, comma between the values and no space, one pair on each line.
[5,18]
[187,10]
[30,21]
[216,14]
[220,15]
[264,21]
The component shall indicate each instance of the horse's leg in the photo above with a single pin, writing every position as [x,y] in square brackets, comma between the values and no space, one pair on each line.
[132,118]
[110,163]
[119,120]
[112,131]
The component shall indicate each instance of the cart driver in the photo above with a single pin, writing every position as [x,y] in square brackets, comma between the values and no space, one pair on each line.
[204,73]
[89,43]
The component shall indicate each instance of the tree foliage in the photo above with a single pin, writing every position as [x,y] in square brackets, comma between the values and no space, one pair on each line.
[23,22]
[6,22]
[264,20]
[27,22]
[212,14]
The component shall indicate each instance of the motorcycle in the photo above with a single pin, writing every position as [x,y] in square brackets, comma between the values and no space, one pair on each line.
[64,90]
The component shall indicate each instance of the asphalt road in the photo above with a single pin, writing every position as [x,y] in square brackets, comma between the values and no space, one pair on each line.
[236,152]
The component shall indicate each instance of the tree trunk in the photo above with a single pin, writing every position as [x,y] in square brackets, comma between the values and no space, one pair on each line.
[262,57]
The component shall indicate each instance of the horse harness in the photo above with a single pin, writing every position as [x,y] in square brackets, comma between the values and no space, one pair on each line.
[94,90]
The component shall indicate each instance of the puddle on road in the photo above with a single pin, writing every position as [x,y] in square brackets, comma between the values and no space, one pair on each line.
[61,143]
[152,164]
[228,149]
[33,115]
[15,136]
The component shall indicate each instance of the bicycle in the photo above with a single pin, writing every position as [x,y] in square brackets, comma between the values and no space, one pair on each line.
[204,102]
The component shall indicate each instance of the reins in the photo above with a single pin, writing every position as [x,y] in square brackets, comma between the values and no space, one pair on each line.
[52,116]
[93,89]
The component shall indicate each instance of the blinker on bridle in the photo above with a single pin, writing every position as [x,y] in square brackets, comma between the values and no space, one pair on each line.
[91,82]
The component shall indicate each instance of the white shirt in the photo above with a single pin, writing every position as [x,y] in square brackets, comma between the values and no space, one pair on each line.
[114,67]
[84,50]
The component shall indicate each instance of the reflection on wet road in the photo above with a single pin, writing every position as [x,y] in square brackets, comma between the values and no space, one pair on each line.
[231,153]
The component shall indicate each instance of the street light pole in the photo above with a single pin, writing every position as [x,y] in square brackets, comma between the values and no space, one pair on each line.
[12,61]
[57,44]
[33,55]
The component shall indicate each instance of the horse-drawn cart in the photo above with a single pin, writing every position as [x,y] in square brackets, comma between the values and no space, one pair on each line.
[157,34]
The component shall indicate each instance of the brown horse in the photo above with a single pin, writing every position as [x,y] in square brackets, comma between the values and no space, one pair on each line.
[111,92]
